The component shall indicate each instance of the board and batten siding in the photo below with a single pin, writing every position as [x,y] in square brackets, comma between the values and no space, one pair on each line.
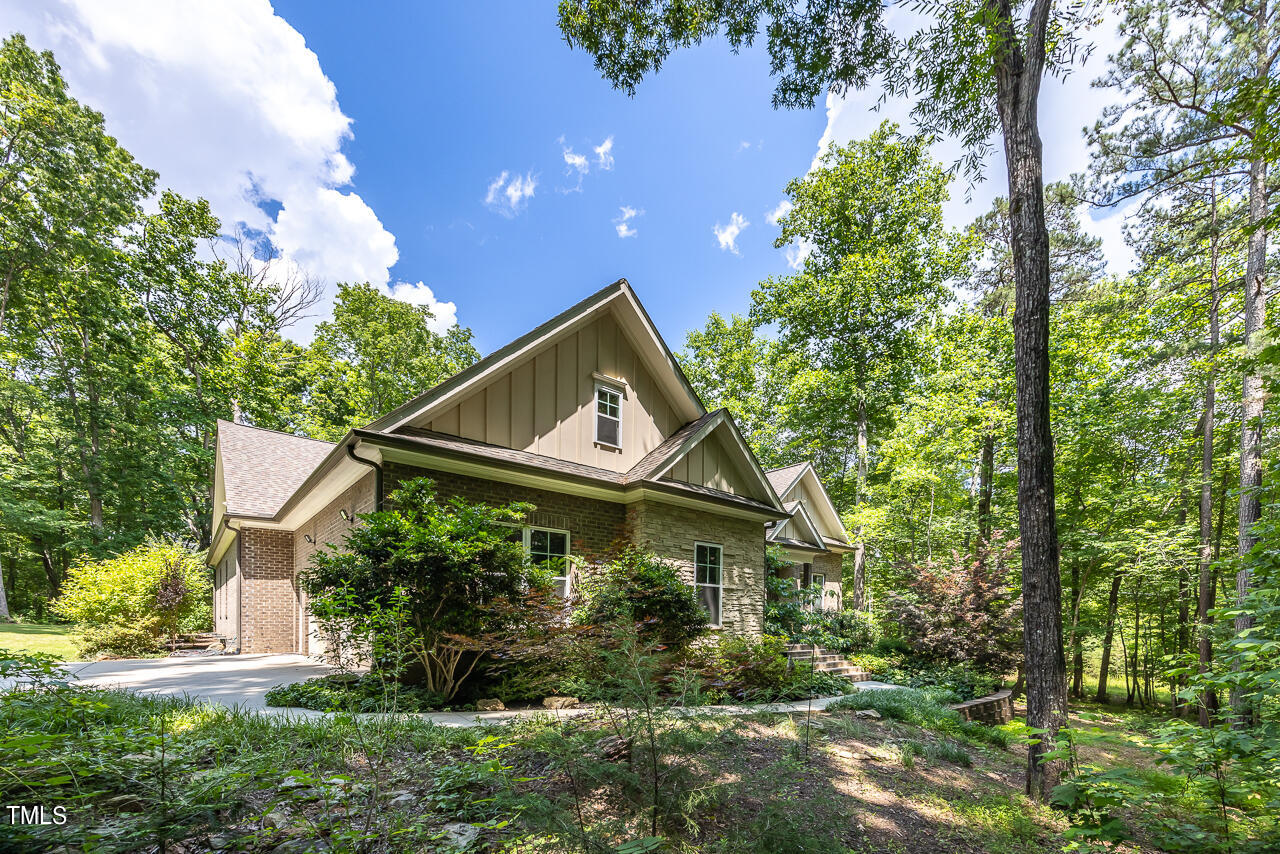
[546,403]
[709,464]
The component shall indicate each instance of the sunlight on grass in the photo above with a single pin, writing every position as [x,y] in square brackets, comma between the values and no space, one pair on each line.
[53,640]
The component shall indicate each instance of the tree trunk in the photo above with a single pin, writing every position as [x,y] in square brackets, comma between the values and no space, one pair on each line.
[860,547]
[1255,317]
[1077,648]
[1041,584]
[1208,705]
[4,597]
[1113,601]
[986,473]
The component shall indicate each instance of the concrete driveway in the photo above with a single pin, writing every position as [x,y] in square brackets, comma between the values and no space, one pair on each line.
[232,680]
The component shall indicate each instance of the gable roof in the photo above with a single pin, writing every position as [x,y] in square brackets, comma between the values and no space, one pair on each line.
[262,468]
[618,295]
[784,478]
[824,510]
[803,532]
[456,447]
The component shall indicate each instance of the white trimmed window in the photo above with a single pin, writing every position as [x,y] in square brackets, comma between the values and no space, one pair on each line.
[819,583]
[708,577]
[549,548]
[608,416]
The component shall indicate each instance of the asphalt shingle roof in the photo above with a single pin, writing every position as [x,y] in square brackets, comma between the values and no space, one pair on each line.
[262,468]
[652,461]
[525,459]
[781,478]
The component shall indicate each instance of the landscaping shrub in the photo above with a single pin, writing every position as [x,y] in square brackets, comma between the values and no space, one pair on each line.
[963,611]
[640,588]
[742,669]
[127,603]
[135,641]
[346,692]
[428,583]
[789,613]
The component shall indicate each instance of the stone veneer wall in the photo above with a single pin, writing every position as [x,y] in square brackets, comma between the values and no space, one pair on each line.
[268,621]
[326,528]
[596,528]
[829,563]
[670,532]
[993,709]
[833,593]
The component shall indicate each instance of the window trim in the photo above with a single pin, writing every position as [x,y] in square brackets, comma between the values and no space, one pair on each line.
[719,585]
[614,390]
[526,542]
[819,602]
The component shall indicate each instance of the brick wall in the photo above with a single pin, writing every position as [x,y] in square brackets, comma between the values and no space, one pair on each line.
[268,620]
[670,532]
[596,528]
[326,528]
[993,709]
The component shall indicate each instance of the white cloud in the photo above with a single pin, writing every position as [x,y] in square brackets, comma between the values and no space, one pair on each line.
[510,197]
[446,313]
[604,154]
[797,253]
[621,223]
[576,162]
[1066,105]
[227,102]
[784,207]
[728,234]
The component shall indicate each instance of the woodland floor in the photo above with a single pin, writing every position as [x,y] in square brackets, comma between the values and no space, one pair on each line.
[759,784]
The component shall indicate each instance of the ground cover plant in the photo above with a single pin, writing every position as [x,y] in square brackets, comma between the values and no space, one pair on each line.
[135,773]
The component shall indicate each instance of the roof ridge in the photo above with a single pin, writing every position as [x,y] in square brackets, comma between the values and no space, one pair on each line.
[221,421]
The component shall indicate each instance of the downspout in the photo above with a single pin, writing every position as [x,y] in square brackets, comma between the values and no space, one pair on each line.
[377,475]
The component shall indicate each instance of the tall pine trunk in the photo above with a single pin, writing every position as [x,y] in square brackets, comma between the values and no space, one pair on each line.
[1255,316]
[1208,705]
[1046,669]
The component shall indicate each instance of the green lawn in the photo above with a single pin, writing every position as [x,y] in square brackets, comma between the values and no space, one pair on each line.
[55,640]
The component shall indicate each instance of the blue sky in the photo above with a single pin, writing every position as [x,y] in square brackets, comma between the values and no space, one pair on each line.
[445,100]
[399,143]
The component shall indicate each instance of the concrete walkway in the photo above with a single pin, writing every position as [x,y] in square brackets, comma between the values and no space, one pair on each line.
[229,680]
[243,680]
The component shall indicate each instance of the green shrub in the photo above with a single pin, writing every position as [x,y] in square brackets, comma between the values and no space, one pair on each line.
[136,641]
[962,681]
[369,693]
[127,603]
[428,583]
[640,588]
[742,668]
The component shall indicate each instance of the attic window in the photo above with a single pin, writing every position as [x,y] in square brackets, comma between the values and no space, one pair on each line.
[608,416]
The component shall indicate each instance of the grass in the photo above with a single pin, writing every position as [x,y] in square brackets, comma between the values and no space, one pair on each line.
[53,640]
[923,709]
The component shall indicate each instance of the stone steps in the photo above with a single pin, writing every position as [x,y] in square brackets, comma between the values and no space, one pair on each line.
[826,661]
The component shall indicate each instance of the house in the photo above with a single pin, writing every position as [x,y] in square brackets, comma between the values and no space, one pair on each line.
[812,537]
[588,417]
